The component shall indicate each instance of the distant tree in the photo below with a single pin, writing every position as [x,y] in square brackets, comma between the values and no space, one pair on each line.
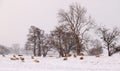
[35,40]
[32,37]
[110,38]
[15,49]
[4,50]
[28,46]
[77,22]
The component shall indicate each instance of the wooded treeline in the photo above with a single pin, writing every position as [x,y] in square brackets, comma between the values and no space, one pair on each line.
[71,35]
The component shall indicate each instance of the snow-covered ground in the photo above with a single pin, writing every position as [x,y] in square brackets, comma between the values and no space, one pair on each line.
[89,63]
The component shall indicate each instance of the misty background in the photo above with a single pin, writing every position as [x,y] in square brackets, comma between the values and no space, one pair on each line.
[16,16]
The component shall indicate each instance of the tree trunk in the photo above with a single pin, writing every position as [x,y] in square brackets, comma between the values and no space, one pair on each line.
[34,49]
[78,45]
[78,49]
[39,50]
[109,53]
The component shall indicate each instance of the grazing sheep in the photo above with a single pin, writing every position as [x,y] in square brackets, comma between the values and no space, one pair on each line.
[68,55]
[20,55]
[22,59]
[12,58]
[36,61]
[17,58]
[65,59]
[75,55]
[32,57]
[81,58]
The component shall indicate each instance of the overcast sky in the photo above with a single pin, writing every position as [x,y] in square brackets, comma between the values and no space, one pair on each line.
[16,16]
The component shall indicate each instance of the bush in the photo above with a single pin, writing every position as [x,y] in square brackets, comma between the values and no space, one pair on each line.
[4,50]
[96,51]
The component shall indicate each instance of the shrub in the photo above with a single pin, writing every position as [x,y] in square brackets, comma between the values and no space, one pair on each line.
[96,51]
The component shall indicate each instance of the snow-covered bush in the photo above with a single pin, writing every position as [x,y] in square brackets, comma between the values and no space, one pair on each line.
[4,50]
[95,51]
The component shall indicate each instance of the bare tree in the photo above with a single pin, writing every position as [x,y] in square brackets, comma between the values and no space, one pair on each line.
[47,45]
[40,38]
[35,38]
[32,39]
[77,22]
[68,42]
[110,38]
[57,42]
[63,40]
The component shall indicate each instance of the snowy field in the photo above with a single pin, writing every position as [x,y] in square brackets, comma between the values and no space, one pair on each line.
[89,63]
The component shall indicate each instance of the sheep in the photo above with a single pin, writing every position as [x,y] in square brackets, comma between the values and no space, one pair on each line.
[68,55]
[81,58]
[20,55]
[22,59]
[36,61]
[17,58]
[75,55]
[32,57]
[65,59]
[12,58]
